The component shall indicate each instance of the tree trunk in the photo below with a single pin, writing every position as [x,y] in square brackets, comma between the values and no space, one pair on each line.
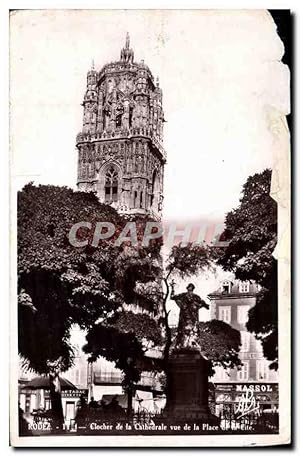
[166,315]
[129,400]
[167,347]
[56,402]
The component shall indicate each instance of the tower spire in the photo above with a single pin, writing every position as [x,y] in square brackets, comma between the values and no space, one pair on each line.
[127,43]
[126,52]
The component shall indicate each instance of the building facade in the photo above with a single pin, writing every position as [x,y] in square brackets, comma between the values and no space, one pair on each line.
[102,380]
[120,151]
[34,400]
[231,304]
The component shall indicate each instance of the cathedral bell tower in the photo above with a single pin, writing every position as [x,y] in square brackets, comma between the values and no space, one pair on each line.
[120,152]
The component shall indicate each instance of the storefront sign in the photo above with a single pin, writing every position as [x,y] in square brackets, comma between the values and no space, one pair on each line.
[242,387]
[256,387]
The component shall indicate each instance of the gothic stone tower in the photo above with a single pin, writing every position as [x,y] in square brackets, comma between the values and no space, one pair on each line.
[120,152]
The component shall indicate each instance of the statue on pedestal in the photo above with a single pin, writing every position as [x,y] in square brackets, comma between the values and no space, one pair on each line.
[188,329]
[188,370]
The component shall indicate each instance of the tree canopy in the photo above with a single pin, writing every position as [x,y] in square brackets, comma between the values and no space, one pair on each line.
[61,285]
[220,344]
[251,230]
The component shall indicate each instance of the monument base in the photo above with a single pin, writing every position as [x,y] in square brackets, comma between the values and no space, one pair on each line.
[188,388]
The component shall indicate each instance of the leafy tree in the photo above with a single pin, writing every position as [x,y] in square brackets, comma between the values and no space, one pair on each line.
[220,344]
[123,342]
[61,285]
[251,230]
[136,326]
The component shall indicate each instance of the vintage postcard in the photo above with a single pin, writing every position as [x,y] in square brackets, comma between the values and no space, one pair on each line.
[150,221]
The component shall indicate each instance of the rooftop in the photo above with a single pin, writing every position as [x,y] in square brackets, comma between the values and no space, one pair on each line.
[235,288]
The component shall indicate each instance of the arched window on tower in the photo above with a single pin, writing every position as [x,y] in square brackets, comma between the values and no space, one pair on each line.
[111,185]
[119,121]
[153,188]
[130,115]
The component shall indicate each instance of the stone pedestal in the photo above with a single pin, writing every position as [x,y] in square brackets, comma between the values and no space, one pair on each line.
[188,388]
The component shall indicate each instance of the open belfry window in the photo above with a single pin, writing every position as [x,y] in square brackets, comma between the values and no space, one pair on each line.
[130,115]
[111,185]
[154,185]
[119,121]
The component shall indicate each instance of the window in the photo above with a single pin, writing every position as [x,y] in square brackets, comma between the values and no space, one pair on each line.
[77,376]
[119,120]
[221,374]
[261,370]
[47,404]
[245,341]
[243,373]
[70,410]
[244,287]
[154,187]
[130,115]
[225,313]
[111,185]
[22,399]
[258,346]
[242,314]
[226,287]
[76,351]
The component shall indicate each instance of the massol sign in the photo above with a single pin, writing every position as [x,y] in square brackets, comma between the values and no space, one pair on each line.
[256,387]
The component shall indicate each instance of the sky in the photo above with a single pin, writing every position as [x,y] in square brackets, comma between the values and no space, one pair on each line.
[220,72]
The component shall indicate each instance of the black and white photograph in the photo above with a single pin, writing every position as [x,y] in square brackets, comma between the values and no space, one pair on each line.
[150,227]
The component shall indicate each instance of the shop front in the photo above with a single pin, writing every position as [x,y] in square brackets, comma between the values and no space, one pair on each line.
[245,398]
[34,402]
